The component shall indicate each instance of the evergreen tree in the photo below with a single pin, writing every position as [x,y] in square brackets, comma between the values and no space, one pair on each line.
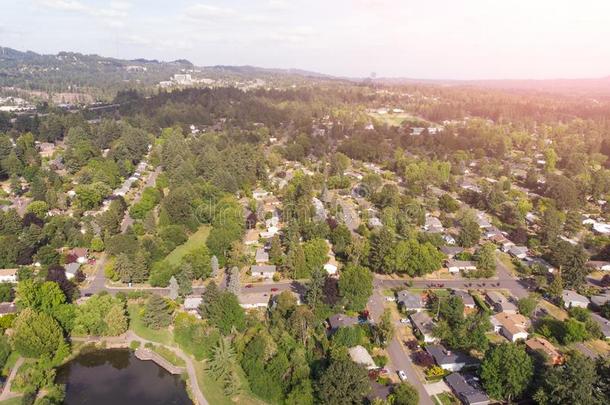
[157,313]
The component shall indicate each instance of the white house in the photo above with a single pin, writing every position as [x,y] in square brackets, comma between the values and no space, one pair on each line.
[512,326]
[266,271]
[8,275]
[455,266]
[360,355]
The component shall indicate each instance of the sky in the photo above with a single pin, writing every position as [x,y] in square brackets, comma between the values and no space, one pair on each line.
[425,39]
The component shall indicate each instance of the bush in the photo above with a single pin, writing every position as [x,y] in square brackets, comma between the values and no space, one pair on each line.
[134,344]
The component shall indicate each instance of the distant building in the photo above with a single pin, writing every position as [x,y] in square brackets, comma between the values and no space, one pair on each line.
[603,323]
[451,251]
[261,256]
[598,265]
[520,252]
[71,269]
[7,308]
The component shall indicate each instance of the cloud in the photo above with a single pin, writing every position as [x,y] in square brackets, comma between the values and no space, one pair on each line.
[208,11]
[116,9]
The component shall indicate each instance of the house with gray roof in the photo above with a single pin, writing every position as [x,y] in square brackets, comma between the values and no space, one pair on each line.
[451,251]
[71,269]
[466,298]
[422,322]
[573,299]
[448,359]
[600,299]
[261,255]
[499,302]
[603,323]
[467,393]
[409,301]
[341,321]
[265,271]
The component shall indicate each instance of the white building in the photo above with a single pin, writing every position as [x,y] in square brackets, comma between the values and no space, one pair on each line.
[8,275]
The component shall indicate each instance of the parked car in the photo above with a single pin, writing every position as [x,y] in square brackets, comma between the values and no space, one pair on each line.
[274,289]
[405,320]
[390,299]
[248,285]
[402,375]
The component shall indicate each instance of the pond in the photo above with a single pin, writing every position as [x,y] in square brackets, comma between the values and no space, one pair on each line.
[117,377]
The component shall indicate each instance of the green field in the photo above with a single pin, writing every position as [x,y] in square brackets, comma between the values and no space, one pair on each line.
[195,240]
[213,391]
[12,401]
[162,336]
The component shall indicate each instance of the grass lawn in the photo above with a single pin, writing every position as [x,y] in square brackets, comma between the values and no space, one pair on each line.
[553,310]
[170,356]
[599,346]
[162,336]
[446,398]
[12,401]
[195,240]
[508,262]
[213,391]
[10,363]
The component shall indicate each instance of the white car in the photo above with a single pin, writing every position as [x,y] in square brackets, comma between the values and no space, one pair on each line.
[405,321]
[402,375]
[390,299]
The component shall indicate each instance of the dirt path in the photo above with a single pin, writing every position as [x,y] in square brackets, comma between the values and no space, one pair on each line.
[6,392]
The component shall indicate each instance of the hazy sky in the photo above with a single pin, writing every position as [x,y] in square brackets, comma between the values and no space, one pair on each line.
[408,38]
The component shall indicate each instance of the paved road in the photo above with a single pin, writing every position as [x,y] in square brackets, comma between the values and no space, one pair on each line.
[399,359]
[151,180]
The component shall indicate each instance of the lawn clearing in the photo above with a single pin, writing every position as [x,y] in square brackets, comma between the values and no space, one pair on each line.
[553,310]
[195,240]
[12,401]
[213,391]
[162,336]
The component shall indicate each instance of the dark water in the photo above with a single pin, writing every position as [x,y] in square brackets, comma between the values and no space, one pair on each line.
[117,377]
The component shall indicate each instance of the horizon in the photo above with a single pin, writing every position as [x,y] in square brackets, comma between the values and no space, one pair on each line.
[480,41]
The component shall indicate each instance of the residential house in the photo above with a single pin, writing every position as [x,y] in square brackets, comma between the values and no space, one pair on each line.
[433,225]
[598,265]
[448,359]
[511,325]
[603,323]
[455,266]
[449,239]
[191,304]
[79,254]
[71,269]
[8,275]
[266,271]
[251,237]
[600,299]
[499,302]
[7,308]
[320,211]
[538,261]
[360,355]
[341,321]
[520,252]
[261,256]
[254,300]
[259,194]
[409,301]
[466,298]
[451,251]
[573,299]
[541,345]
[422,322]
[467,393]
[482,219]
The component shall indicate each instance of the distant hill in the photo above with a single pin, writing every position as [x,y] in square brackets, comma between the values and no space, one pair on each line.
[599,87]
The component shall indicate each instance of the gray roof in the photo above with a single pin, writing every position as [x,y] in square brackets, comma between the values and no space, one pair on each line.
[261,255]
[72,268]
[7,308]
[409,300]
[443,356]
[518,250]
[466,298]
[451,250]
[267,268]
[342,321]
[573,296]
[603,323]
[601,299]
[467,393]
[422,322]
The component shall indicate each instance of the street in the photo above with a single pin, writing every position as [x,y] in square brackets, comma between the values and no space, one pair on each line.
[399,359]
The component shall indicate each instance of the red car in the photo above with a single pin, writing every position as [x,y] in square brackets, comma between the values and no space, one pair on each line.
[274,289]
[248,285]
